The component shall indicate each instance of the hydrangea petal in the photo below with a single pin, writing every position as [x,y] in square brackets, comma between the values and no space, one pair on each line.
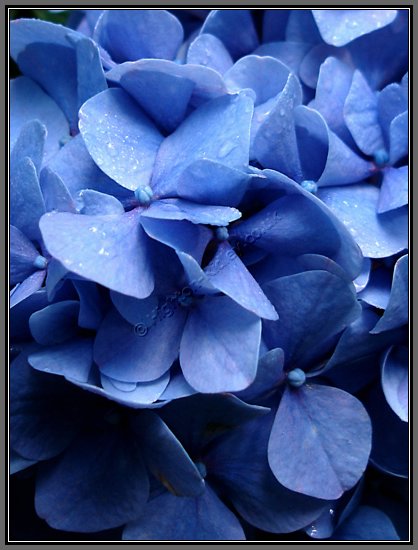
[219,346]
[90,245]
[177,388]
[138,353]
[399,137]
[196,277]
[90,75]
[19,463]
[55,323]
[288,53]
[377,291]
[339,27]
[366,523]
[22,256]
[55,193]
[141,393]
[312,135]
[396,313]
[169,518]
[394,189]
[361,115]
[121,139]
[312,306]
[391,102]
[27,287]
[72,497]
[378,235]
[130,35]
[320,441]
[395,380]
[219,130]
[209,51]
[96,203]
[220,22]
[29,143]
[270,374]
[274,24]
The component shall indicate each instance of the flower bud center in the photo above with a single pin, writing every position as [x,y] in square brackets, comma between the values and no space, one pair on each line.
[381,157]
[40,262]
[309,185]
[296,378]
[143,195]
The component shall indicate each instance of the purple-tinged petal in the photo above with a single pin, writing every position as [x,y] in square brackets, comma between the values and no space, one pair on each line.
[169,518]
[366,523]
[196,277]
[165,457]
[72,360]
[142,352]
[244,38]
[26,201]
[227,273]
[72,496]
[219,130]
[312,306]
[361,115]
[398,137]
[339,27]
[394,189]
[29,102]
[27,287]
[130,35]
[209,51]
[29,143]
[320,441]
[140,393]
[395,380]
[396,313]
[96,203]
[180,209]
[22,256]
[378,235]
[55,193]
[219,347]
[90,245]
[55,323]
[121,139]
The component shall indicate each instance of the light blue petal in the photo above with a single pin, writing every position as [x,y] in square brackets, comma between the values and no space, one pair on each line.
[99,204]
[55,193]
[27,287]
[399,137]
[209,51]
[394,189]
[29,143]
[22,256]
[140,393]
[395,380]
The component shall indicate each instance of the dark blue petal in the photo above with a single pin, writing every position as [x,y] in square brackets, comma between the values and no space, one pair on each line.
[378,235]
[312,306]
[29,143]
[130,35]
[339,27]
[209,51]
[27,287]
[366,523]
[396,313]
[394,189]
[362,280]
[320,441]
[88,246]
[26,201]
[92,305]
[219,130]
[312,135]
[96,203]
[165,457]
[235,28]
[361,115]
[18,463]
[274,24]
[73,496]
[29,102]
[219,346]
[55,323]
[121,139]
[22,256]
[22,310]
[55,192]
[377,291]
[395,380]
[301,27]
[171,518]
[55,277]
[90,76]
[177,388]
[138,353]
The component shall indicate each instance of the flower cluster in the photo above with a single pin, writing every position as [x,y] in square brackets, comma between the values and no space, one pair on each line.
[209,273]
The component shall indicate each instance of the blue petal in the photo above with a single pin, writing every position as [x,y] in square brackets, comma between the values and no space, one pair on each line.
[274,24]
[399,137]
[140,352]
[22,256]
[22,310]
[235,28]
[378,235]
[130,35]
[311,64]
[265,75]
[239,464]
[377,291]
[73,359]
[396,313]
[26,288]
[165,457]
[90,75]
[219,130]
[177,388]
[361,115]
[29,143]
[196,277]
[394,189]
[29,102]
[320,441]
[339,27]
[219,346]
[26,201]
[179,209]
[301,27]
[70,498]
[172,518]
[366,523]
[88,246]
[121,139]
[55,192]
[288,53]
[141,393]
[209,51]
[312,135]
[18,463]
[208,182]
[362,280]
[312,306]
[98,204]
[227,273]
[395,380]
[92,305]
[391,102]
[55,323]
